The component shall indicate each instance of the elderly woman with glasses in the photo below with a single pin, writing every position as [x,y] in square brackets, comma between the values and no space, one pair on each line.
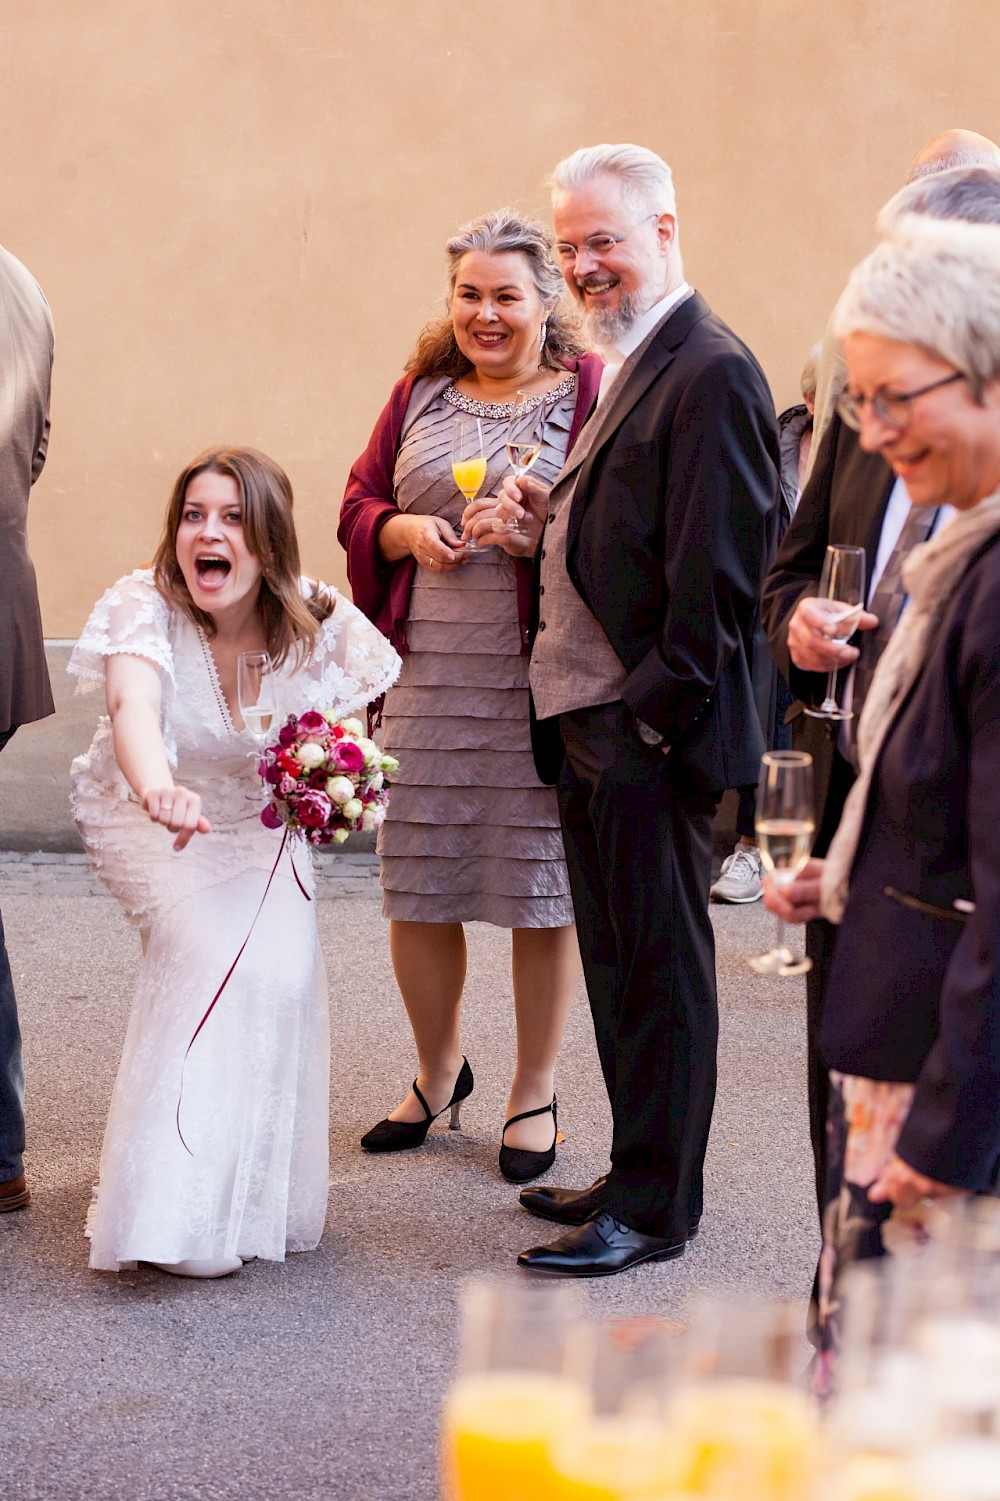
[471,834]
[911,1028]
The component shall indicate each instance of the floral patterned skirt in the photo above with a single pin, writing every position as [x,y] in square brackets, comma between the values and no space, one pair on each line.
[863,1125]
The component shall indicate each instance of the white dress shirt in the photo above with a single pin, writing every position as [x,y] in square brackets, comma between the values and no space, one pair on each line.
[893,522]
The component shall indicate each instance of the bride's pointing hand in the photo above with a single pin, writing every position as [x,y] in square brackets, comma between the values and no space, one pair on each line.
[178,810]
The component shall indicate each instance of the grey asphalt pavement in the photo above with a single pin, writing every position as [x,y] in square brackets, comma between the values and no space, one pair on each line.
[323,1377]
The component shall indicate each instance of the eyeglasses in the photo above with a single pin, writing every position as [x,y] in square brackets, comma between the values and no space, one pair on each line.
[598,245]
[892,408]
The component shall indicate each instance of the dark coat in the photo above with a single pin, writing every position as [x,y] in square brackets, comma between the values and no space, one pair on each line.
[670,534]
[26,345]
[915,997]
[844,501]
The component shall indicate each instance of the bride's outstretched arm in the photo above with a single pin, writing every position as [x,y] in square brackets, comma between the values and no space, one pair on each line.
[133,694]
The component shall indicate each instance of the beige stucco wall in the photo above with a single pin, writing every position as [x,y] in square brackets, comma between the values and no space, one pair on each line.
[237,207]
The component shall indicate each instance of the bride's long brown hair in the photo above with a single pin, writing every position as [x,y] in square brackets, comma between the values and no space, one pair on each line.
[291,621]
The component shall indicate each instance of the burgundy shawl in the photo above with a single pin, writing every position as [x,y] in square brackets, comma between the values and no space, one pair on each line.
[381,589]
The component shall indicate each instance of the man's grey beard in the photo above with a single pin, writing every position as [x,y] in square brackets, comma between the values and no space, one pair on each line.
[607,325]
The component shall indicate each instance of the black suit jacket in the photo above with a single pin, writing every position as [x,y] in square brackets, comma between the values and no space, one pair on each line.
[845,501]
[912,996]
[671,532]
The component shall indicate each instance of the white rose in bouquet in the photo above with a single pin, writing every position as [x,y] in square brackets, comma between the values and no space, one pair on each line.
[310,754]
[353,808]
[340,790]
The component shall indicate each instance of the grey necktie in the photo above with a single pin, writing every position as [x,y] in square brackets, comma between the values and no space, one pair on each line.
[887,603]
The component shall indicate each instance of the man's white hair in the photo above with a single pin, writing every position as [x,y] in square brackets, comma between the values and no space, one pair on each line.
[936,284]
[647,182]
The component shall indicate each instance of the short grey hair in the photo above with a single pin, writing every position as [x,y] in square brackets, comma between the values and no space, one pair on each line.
[968,193]
[647,182]
[936,285]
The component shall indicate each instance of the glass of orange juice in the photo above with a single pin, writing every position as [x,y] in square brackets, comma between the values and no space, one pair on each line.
[742,1423]
[468,459]
[514,1392]
[617,1451]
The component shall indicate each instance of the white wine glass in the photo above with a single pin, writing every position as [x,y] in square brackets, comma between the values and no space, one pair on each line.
[255,692]
[785,825]
[525,435]
[842,580]
[468,460]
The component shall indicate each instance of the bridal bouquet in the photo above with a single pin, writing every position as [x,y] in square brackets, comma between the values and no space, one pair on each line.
[326,779]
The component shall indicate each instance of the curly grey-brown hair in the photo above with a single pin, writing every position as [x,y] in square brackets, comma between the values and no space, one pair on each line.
[500,233]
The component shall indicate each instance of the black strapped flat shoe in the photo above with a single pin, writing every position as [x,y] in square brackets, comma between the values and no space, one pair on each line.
[517,1164]
[401,1136]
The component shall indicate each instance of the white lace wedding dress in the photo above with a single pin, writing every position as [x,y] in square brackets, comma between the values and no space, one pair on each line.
[255,1103]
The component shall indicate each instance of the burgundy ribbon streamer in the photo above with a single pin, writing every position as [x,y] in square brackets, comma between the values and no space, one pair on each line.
[229,972]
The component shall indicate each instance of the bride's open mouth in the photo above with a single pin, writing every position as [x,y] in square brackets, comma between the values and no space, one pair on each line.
[212,570]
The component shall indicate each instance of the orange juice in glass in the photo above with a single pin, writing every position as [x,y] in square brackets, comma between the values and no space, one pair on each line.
[619,1457]
[757,1439]
[513,1392]
[497,1429]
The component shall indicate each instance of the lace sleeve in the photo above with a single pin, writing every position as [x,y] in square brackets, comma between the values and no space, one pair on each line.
[132,618]
[352,664]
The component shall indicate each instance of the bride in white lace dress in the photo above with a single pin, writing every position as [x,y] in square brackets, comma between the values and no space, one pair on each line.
[168,801]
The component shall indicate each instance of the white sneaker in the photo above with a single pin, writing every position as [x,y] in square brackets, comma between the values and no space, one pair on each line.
[740,877]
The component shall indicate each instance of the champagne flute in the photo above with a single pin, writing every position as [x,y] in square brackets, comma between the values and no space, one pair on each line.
[468,459]
[843,580]
[525,434]
[740,1424]
[255,692]
[785,826]
[618,1450]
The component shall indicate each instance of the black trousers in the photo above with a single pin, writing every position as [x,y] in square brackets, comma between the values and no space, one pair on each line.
[639,853]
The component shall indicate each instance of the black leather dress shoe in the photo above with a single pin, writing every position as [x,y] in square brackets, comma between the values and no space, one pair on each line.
[566,1206]
[600,1248]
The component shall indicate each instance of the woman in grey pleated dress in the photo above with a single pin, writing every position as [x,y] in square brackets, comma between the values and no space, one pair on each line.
[471,834]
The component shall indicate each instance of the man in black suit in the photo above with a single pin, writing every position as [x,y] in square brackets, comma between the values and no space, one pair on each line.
[656,538]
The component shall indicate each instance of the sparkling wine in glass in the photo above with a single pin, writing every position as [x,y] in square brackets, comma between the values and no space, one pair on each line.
[842,580]
[468,459]
[525,434]
[255,692]
[785,826]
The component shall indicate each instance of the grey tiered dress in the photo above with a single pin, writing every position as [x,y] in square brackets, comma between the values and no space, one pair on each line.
[471,834]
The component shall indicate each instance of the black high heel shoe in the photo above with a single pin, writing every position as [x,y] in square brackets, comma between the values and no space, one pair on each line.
[517,1164]
[400,1136]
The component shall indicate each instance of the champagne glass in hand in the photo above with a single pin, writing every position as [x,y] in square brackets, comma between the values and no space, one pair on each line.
[468,459]
[785,825]
[525,435]
[842,580]
[255,692]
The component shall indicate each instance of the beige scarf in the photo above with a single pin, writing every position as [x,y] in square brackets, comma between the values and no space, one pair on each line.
[931,574]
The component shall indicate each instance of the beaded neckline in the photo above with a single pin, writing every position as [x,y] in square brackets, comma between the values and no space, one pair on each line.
[213,677]
[505,408]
